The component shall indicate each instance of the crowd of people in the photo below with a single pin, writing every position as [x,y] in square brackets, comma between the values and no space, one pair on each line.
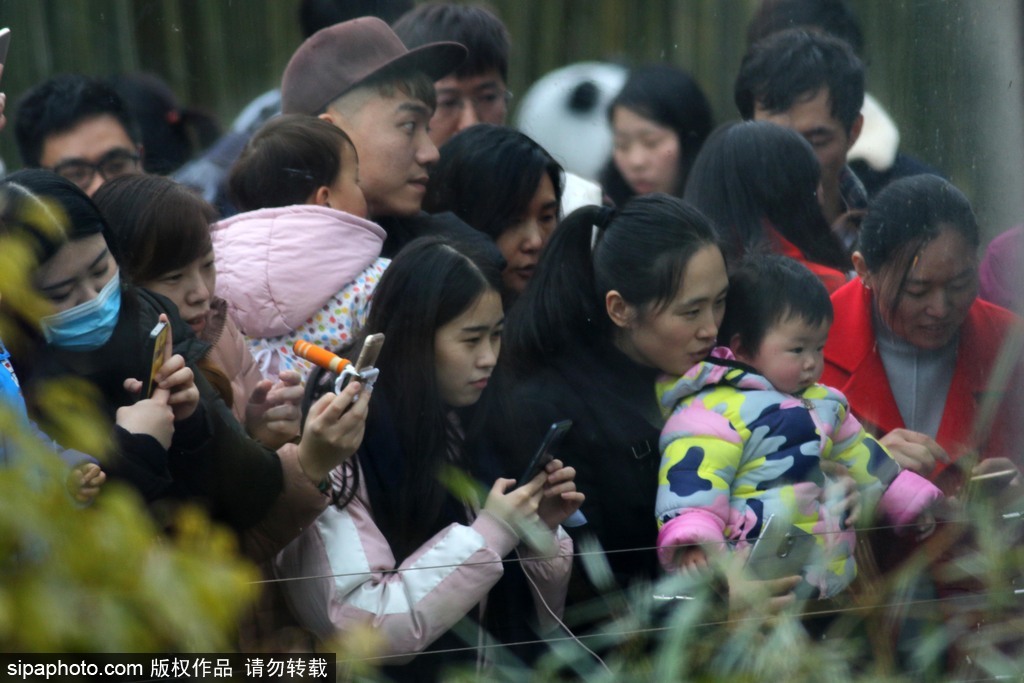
[739,329]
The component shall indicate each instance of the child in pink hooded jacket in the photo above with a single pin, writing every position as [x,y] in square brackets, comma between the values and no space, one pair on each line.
[302,261]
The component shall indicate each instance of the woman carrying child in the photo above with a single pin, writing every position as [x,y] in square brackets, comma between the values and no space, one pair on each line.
[750,429]
[302,260]
[406,550]
[586,342]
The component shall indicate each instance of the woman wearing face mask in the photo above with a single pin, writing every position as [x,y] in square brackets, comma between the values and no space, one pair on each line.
[180,443]
[913,348]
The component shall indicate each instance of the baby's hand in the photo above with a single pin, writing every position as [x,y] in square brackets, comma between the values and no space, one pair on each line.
[841,494]
[273,415]
[924,525]
[84,482]
[692,561]
[152,416]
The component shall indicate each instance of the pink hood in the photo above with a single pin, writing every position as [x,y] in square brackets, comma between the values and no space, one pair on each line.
[277,267]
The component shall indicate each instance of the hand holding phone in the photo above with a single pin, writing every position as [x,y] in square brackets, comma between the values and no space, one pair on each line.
[991,478]
[545,452]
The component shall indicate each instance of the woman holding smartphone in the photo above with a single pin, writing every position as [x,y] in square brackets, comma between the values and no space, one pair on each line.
[409,548]
[913,313]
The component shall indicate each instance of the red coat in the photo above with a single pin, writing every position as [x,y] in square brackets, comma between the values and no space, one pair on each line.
[832,278]
[854,366]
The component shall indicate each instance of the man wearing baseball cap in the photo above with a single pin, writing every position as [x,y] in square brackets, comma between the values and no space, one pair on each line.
[360,76]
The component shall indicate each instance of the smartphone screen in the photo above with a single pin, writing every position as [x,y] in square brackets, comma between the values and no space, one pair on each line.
[157,355]
[545,453]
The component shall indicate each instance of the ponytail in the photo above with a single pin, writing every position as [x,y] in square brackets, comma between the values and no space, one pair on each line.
[641,252]
[560,306]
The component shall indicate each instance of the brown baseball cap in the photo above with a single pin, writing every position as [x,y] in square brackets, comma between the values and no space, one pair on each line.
[336,59]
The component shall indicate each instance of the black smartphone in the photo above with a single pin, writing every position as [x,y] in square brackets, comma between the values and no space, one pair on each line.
[367,357]
[157,354]
[545,453]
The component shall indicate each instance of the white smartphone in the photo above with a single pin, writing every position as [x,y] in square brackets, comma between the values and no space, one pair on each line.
[780,552]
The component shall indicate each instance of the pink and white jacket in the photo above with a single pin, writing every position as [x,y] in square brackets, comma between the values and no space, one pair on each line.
[349,577]
[296,272]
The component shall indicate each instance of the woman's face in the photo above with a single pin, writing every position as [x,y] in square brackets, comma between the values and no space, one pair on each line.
[76,273]
[522,242]
[190,288]
[646,153]
[677,336]
[940,287]
[466,350]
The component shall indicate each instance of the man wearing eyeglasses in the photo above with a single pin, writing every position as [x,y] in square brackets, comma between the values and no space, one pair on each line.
[476,91]
[79,128]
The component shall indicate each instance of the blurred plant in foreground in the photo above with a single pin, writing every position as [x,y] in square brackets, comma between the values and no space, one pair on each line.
[104,578]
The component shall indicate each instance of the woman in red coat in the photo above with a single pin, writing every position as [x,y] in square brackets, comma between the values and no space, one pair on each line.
[914,349]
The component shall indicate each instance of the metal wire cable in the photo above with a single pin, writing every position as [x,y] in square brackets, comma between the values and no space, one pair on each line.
[581,554]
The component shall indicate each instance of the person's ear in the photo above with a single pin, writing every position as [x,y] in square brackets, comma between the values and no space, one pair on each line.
[855,131]
[861,266]
[621,313]
[321,196]
[736,346]
[333,117]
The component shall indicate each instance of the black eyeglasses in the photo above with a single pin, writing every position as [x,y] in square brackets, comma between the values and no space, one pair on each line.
[113,164]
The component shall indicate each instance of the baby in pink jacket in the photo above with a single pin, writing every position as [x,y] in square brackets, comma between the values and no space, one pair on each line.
[302,261]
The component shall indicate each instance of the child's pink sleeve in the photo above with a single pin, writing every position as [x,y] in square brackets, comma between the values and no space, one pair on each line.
[907,497]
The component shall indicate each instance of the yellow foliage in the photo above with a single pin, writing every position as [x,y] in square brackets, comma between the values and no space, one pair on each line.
[104,578]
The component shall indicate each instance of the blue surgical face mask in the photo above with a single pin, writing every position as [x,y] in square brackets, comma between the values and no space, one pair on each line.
[87,326]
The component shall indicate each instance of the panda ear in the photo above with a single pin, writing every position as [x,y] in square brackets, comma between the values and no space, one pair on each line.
[584,97]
